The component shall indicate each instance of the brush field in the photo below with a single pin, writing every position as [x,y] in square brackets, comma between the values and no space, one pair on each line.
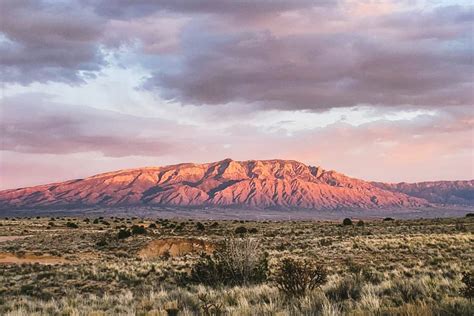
[134,266]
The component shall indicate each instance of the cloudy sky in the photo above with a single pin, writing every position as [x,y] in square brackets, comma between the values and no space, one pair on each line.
[376,89]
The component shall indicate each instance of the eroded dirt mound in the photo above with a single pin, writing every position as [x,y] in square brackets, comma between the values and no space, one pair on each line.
[175,247]
[10,258]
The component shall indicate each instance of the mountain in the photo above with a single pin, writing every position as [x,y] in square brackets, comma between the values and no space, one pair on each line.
[279,184]
[439,192]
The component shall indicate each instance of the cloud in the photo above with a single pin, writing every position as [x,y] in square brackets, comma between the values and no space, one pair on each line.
[55,128]
[243,8]
[381,63]
[302,54]
[44,41]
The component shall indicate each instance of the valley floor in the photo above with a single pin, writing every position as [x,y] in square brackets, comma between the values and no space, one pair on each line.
[114,266]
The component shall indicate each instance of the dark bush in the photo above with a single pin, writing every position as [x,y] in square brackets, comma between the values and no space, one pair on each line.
[123,233]
[347,222]
[360,223]
[152,225]
[71,225]
[468,290]
[138,230]
[96,221]
[470,215]
[388,219]
[101,243]
[200,226]
[253,230]
[234,262]
[294,278]
[240,230]
[350,287]
[214,225]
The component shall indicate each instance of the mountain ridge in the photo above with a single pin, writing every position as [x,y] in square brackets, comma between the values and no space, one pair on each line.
[275,183]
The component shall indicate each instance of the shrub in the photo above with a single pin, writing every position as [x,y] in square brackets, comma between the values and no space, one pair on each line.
[96,221]
[349,287]
[123,233]
[468,290]
[138,230]
[235,262]
[152,225]
[387,219]
[71,225]
[294,278]
[253,230]
[200,226]
[214,225]
[240,230]
[347,222]
[470,215]
[360,223]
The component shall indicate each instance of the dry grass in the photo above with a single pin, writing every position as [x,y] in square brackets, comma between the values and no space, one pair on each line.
[382,268]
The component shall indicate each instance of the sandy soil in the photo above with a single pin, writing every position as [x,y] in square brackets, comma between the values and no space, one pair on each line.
[175,247]
[9,238]
[9,258]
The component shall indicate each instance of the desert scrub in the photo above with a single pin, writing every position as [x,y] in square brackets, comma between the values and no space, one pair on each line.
[236,261]
[296,277]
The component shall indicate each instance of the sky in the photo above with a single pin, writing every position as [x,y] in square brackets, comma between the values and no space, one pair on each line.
[380,90]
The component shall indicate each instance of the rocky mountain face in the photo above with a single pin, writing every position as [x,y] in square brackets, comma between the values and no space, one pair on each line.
[439,192]
[279,184]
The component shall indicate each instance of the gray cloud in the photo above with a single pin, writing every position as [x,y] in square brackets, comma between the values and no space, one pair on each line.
[384,64]
[46,41]
[241,8]
[253,52]
[34,124]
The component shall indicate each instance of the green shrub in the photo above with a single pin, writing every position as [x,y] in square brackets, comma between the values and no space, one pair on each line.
[71,225]
[200,226]
[347,222]
[294,278]
[123,233]
[240,230]
[138,230]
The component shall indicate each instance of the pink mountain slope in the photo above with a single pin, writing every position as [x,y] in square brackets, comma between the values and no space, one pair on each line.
[251,184]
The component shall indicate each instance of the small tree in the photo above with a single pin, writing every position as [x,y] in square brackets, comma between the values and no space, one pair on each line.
[240,230]
[347,222]
[123,233]
[138,230]
[294,278]
[71,225]
[200,226]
